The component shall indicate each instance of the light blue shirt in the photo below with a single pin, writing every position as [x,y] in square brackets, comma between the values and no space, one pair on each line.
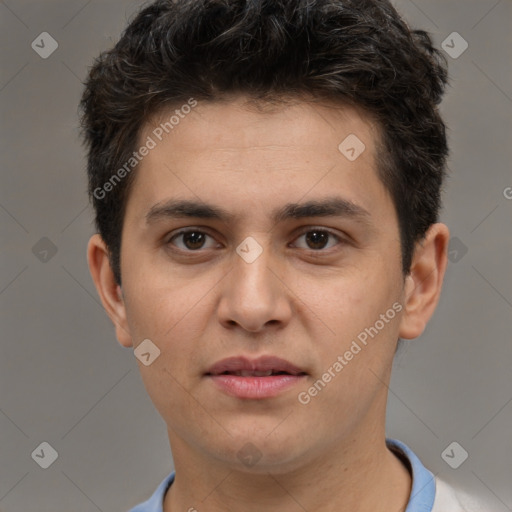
[422,496]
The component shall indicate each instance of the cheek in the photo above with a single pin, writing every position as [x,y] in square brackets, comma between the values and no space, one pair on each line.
[356,318]
[161,300]
[349,302]
[174,326]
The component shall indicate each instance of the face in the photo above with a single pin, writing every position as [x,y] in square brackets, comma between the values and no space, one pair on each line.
[283,245]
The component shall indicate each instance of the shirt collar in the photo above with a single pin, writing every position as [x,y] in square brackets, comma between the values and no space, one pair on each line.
[423,491]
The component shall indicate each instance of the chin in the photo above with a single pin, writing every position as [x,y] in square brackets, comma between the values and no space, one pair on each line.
[260,454]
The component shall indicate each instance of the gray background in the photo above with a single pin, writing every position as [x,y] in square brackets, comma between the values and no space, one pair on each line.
[65,380]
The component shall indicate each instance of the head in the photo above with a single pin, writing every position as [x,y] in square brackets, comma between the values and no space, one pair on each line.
[244,108]
[353,52]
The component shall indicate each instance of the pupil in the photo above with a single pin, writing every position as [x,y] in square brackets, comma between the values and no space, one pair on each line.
[317,239]
[193,239]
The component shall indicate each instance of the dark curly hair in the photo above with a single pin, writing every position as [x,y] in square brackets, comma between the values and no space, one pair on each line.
[356,52]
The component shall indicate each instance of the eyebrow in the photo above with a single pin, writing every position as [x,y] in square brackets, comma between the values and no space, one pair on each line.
[328,207]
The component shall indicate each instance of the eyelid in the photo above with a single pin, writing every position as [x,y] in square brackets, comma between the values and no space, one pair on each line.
[308,229]
[183,231]
[303,230]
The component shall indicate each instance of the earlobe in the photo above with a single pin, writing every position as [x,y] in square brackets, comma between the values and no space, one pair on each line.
[110,292]
[423,284]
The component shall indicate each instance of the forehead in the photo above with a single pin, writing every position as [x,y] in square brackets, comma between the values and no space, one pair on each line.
[241,123]
[237,152]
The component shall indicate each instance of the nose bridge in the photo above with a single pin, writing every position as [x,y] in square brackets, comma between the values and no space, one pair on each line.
[252,295]
[252,275]
[253,265]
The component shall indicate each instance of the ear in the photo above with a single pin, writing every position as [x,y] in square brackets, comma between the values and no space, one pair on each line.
[109,291]
[424,282]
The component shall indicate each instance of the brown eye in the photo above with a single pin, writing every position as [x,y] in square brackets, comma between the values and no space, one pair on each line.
[318,239]
[191,240]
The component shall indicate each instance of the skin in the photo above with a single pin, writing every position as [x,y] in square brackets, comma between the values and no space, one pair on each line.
[297,300]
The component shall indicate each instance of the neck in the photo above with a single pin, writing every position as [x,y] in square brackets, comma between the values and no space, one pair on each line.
[358,475]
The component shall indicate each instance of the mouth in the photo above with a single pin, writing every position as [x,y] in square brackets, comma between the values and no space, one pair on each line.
[249,373]
[264,366]
[265,377]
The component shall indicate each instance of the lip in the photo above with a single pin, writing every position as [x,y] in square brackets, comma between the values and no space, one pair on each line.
[254,387]
[261,364]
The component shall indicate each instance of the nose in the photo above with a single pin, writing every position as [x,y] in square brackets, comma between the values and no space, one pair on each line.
[254,296]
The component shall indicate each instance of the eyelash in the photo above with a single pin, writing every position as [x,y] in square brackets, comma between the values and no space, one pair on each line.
[309,230]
